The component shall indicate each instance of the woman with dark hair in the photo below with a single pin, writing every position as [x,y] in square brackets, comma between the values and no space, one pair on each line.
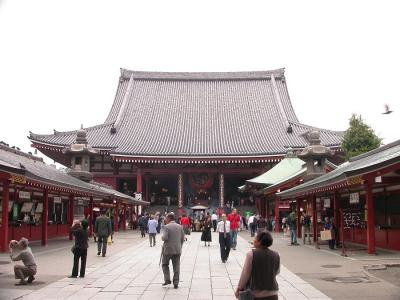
[79,230]
[260,269]
[206,234]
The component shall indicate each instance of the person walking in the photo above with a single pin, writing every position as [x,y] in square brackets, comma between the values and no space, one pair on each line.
[328,225]
[260,269]
[206,233]
[93,224]
[185,222]
[173,237]
[102,229]
[292,222]
[29,268]
[142,225]
[252,224]
[234,220]
[244,221]
[306,228]
[223,228]
[152,229]
[214,219]
[79,231]
[112,227]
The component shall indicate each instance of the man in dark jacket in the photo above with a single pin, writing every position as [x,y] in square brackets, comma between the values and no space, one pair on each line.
[102,229]
[79,231]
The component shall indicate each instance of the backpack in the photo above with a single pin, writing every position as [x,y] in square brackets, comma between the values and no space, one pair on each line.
[307,221]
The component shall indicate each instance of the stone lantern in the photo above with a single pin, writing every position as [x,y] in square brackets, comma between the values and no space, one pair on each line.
[315,156]
[80,153]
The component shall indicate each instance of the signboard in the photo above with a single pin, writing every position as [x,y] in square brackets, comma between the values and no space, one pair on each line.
[354,198]
[57,199]
[24,195]
[138,196]
[327,202]
[355,180]
[353,219]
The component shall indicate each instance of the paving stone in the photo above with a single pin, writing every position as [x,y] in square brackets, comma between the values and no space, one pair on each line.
[135,274]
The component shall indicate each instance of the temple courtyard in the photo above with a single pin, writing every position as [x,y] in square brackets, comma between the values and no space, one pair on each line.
[131,271]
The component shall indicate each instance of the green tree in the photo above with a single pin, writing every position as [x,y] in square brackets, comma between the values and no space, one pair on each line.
[359,138]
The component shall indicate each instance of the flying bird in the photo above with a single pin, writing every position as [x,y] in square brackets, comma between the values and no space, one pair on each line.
[387,110]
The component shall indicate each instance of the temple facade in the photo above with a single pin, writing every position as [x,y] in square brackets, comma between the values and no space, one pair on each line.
[183,139]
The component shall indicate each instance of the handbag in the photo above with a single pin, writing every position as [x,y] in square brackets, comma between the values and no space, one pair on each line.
[73,249]
[247,294]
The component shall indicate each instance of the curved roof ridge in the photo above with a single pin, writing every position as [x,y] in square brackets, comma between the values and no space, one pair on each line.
[314,127]
[90,128]
[240,75]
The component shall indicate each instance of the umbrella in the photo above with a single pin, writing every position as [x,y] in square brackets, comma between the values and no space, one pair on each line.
[199,207]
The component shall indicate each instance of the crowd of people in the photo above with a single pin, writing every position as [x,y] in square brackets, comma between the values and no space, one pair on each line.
[174,232]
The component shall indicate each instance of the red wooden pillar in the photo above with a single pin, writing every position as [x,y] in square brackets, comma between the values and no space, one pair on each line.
[370,218]
[116,215]
[4,216]
[91,216]
[298,216]
[138,181]
[45,217]
[124,219]
[147,187]
[131,216]
[267,214]
[277,218]
[336,214]
[71,212]
[137,211]
[314,218]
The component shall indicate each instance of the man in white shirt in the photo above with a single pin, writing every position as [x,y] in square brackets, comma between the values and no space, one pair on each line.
[252,224]
[214,219]
[223,229]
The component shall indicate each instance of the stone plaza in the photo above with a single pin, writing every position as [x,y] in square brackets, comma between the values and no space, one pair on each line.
[134,273]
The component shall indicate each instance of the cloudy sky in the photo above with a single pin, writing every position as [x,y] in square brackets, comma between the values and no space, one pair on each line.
[60,60]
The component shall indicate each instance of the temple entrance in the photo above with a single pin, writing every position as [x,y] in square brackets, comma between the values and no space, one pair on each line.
[232,194]
[201,189]
[163,190]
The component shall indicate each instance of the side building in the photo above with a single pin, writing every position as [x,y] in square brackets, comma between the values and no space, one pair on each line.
[183,139]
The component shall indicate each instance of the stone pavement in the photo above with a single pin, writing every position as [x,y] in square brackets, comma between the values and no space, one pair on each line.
[134,273]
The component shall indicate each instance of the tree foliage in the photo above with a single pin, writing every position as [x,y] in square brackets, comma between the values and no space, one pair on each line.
[359,138]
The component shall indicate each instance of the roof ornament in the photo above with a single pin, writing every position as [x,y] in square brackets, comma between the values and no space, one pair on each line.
[289,129]
[290,153]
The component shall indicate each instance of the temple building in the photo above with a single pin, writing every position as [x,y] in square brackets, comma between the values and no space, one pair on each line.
[183,139]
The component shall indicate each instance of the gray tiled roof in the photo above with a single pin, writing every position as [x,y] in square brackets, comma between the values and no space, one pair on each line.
[15,161]
[198,114]
[357,166]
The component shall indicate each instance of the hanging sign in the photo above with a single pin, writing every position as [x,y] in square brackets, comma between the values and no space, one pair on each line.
[57,199]
[24,195]
[355,180]
[138,196]
[18,179]
[327,202]
[354,198]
